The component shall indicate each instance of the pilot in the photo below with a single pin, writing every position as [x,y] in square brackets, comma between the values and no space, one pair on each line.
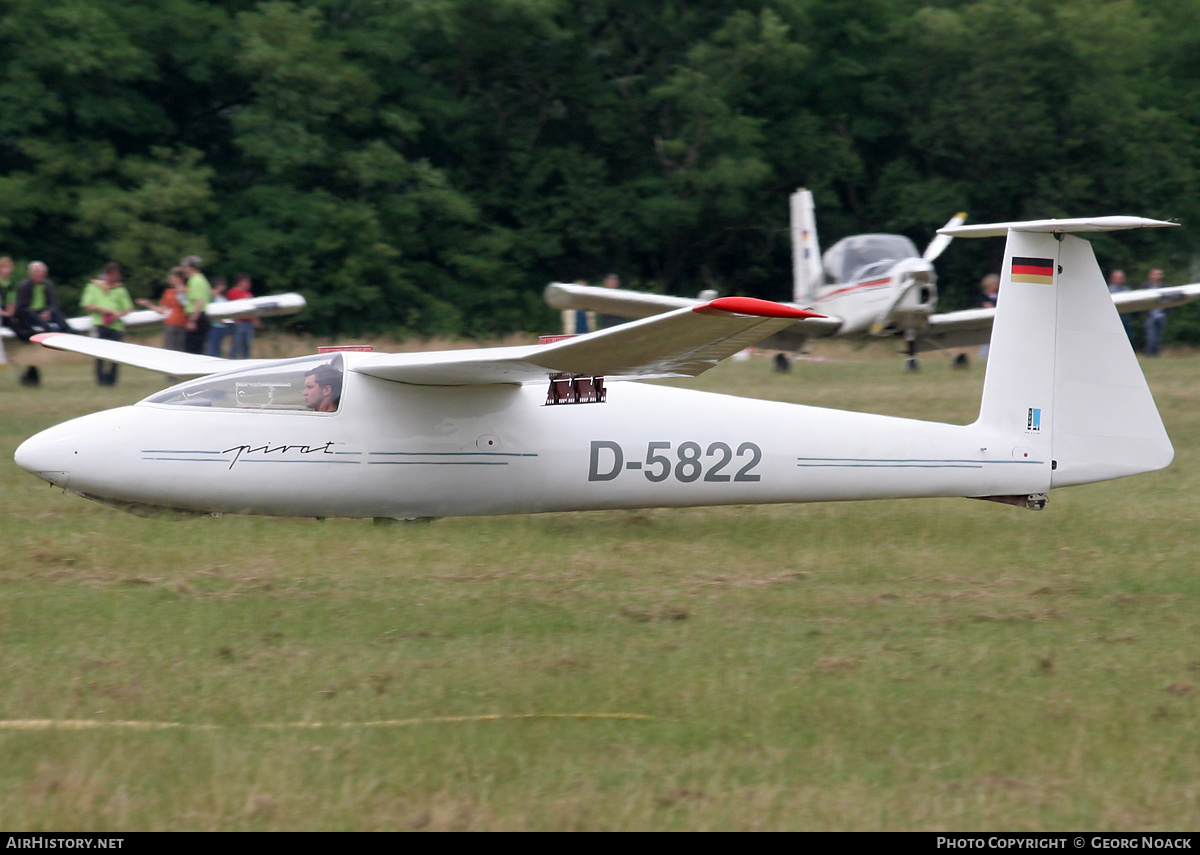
[323,389]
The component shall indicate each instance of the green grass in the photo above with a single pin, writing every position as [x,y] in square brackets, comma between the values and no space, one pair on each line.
[937,664]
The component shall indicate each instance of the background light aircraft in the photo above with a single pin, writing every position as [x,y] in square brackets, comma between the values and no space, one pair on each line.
[549,427]
[868,286]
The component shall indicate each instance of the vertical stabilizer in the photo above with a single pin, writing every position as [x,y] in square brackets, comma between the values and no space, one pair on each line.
[807,273]
[1108,425]
[1062,379]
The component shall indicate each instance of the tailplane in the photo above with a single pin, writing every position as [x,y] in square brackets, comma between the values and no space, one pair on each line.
[1062,379]
[807,273]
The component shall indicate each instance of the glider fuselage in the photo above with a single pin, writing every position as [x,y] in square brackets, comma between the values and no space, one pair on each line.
[406,451]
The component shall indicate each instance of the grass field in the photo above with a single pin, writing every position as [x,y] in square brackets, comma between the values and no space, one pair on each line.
[931,664]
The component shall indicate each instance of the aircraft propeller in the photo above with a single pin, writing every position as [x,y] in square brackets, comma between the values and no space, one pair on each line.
[941,241]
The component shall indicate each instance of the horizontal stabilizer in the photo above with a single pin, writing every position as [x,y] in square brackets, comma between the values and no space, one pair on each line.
[682,343]
[1080,224]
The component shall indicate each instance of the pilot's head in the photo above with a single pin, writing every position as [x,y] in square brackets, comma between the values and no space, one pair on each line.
[323,389]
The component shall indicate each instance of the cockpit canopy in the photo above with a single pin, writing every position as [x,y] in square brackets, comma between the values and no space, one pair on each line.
[278,387]
[864,256]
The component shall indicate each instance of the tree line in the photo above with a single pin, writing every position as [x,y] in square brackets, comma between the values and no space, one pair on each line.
[426,167]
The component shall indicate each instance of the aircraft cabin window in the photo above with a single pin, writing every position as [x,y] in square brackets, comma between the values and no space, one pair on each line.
[310,384]
[860,256]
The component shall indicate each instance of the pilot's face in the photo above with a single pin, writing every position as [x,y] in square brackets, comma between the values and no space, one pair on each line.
[314,393]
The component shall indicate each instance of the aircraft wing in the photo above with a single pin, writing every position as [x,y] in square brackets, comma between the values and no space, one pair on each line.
[639,304]
[173,362]
[966,328]
[681,343]
[613,301]
[251,307]
[1144,299]
[970,327]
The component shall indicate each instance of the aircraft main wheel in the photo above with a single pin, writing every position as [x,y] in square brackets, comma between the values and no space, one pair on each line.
[782,363]
[912,364]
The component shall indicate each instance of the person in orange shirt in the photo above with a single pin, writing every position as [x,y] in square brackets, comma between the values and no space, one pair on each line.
[173,305]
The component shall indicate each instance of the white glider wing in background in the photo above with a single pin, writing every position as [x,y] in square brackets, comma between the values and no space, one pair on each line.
[232,310]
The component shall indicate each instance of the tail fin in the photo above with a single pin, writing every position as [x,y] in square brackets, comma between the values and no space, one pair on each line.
[807,272]
[1061,373]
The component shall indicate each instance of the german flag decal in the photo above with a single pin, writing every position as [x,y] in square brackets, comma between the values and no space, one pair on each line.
[1039,271]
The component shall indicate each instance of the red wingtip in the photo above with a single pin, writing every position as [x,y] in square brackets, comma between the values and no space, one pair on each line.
[754,306]
[42,338]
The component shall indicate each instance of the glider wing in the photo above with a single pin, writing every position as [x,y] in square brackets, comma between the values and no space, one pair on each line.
[682,343]
[172,362]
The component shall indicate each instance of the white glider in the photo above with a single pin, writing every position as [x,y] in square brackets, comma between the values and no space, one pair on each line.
[551,427]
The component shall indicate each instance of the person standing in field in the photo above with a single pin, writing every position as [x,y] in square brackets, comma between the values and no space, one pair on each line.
[603,322]
[988,294]
[1156,319]
[8,299]
[214,341]
[107,301]
[199,295]
[1118,285]
[174,301]
[243,329]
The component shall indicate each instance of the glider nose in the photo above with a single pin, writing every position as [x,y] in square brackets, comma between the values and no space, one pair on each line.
[46,457]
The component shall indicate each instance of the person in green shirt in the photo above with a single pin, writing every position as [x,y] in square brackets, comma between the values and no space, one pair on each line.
[37,308]
[8,298]
[199,295]
[107,301]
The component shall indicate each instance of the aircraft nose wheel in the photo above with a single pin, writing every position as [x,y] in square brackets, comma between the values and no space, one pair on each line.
[910,346]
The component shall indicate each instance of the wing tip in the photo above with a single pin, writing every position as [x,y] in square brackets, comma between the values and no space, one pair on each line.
[754,306]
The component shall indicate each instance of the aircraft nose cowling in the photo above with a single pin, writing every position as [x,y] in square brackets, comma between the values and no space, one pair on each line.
[68,454]
[45,457]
